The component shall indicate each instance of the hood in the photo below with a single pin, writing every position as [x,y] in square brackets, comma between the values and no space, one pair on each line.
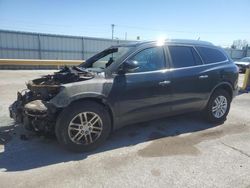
[64,76]
[49,85]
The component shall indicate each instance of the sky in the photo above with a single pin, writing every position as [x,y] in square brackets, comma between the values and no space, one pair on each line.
[217,21]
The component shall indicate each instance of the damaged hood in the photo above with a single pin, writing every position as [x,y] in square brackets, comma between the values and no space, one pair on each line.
[64,76]
[48,86]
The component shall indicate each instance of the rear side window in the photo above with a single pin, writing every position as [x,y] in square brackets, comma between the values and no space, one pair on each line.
[184,56]
[211,55]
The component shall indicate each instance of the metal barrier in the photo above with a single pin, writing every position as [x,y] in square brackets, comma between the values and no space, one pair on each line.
[18,63]
[39,62]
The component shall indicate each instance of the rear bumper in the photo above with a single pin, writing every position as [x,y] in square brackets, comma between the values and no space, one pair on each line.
[236,91]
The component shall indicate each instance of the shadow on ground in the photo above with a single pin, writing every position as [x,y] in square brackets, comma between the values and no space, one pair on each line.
[25,150]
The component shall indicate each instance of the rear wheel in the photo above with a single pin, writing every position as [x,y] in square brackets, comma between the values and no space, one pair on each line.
[218,106]
[83,126]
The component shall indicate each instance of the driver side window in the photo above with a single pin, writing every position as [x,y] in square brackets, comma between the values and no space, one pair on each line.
[149,59]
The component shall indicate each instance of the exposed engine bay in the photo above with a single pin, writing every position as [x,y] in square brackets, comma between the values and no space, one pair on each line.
[32,107]
[49,85]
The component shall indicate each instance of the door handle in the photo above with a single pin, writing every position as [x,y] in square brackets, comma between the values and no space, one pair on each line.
[203,76]
[164,83]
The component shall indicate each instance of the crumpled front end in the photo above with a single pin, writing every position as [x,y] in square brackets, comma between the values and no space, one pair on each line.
[33,107]
[35,114]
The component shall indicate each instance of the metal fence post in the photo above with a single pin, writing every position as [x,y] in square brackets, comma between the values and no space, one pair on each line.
[231,53]
[39,47]
[83,48]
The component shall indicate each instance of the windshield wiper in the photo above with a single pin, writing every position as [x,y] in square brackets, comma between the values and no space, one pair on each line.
[81,69]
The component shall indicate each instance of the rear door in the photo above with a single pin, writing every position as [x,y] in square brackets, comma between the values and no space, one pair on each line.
[189,83]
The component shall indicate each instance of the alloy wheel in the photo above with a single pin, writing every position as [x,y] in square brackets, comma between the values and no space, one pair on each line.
[85,128]
[219,107]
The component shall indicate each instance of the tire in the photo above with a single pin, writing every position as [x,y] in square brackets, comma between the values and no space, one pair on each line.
[69,124]
[210,112]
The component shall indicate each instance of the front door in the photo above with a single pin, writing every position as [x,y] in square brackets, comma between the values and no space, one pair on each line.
[144,93]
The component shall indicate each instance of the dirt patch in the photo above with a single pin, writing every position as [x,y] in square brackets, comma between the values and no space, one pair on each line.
[155,172]
[116,162]
[185,144]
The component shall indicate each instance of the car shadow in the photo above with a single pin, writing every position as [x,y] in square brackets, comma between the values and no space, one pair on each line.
[25,150]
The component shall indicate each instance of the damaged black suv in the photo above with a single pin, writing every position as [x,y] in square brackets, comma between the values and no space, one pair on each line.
[126,84]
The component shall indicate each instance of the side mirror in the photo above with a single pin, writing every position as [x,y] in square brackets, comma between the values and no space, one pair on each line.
[129,66]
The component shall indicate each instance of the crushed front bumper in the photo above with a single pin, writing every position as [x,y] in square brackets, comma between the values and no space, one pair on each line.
[15,111]
[36,115]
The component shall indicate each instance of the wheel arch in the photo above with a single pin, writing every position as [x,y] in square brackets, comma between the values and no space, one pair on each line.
[101,101]
[225,86]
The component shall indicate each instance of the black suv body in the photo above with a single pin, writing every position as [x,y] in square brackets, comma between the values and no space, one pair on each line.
[126,84]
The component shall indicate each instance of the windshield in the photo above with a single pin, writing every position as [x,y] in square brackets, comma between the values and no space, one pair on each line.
[104,59]
[246,59]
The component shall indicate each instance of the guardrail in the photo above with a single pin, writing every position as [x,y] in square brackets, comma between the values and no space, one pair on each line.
[20,63]
[39,62]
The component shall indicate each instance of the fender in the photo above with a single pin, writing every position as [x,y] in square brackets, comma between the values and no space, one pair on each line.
[219,85]
[62,100]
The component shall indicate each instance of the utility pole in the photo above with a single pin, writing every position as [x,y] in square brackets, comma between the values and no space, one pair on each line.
[125,35]
[112,27]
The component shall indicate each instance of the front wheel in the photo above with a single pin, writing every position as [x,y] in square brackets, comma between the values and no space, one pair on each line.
[83,126]
[218,106]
